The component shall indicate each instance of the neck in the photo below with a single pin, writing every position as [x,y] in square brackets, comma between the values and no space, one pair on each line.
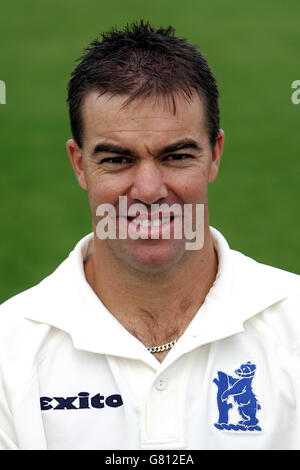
[154,308]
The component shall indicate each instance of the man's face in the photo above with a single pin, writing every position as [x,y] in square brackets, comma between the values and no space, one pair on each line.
[146,153]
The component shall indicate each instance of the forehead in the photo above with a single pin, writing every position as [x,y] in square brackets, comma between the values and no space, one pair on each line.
[151,119]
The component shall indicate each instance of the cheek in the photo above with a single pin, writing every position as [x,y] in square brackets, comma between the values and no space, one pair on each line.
[102,189]
[193,189]
[100,193]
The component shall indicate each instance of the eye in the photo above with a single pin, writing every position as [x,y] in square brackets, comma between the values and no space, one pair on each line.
[178,156]
[115,160]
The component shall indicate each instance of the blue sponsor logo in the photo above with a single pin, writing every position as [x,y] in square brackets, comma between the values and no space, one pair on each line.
[80,401]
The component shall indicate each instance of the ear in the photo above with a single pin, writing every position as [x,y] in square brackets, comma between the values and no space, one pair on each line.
[216,156]
[75,154]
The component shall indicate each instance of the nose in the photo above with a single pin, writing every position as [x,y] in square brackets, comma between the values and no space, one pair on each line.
[148,186]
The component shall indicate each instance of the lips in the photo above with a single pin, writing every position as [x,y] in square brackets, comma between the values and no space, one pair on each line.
[148,220]
[153,228]
[142,222]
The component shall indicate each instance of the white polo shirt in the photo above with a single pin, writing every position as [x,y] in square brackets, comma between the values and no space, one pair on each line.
[74,378]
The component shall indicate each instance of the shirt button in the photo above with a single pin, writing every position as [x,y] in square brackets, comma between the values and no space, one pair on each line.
[161,384]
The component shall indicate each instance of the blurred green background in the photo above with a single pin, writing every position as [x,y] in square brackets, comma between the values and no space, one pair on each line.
[253,49]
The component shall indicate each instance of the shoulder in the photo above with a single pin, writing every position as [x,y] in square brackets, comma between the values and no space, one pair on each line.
[22,339]
[250,275]
[246,269]
[51,291]
[273,297]
[35,298]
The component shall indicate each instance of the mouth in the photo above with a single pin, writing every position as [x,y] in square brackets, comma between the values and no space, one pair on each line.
[156,227]
[156,221]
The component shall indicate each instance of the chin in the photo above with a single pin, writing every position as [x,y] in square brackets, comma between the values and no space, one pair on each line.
[157,258]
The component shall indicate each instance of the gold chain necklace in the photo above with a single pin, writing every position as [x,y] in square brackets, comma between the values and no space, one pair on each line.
[163,347]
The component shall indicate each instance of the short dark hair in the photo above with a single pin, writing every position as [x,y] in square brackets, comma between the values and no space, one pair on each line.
[141,61]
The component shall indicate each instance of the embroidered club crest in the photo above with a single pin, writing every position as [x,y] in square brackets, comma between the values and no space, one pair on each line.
[240,389]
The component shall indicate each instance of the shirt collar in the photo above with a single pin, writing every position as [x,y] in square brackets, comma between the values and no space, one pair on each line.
[242,289]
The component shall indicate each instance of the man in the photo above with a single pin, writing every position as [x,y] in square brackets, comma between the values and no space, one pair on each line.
[141,341]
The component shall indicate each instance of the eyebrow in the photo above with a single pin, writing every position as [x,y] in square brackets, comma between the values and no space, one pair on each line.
[179,145]
[112,148]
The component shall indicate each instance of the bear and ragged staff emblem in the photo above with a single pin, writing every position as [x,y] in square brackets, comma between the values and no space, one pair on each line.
[241,390]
